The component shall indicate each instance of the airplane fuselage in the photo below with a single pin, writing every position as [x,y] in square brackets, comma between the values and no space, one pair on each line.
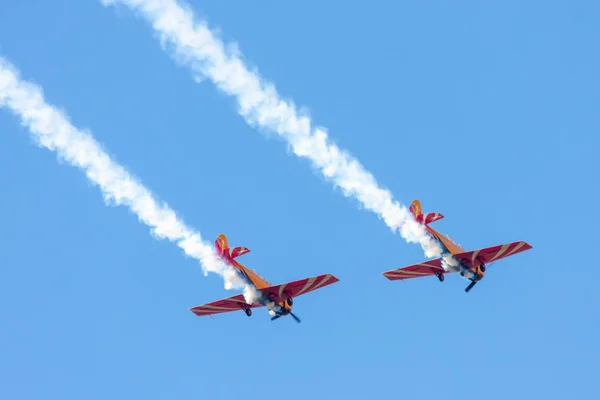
[450,248]
[252,278]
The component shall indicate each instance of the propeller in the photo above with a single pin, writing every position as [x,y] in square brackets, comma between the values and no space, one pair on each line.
[292,314]
[470,286]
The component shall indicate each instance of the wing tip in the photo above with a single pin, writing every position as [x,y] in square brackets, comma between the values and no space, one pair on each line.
[330,278]
[522,245]
[390,275]
[526,245]
[195,313]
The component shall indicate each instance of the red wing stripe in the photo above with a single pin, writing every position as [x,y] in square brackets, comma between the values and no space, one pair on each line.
[474,256]
[214,307]
[299,287]
[517,247]
[500,252]
[506,250]
[234,303]
[309,282]
[427,268]
[408,273]
[323,281]
[281,288]
[207,308]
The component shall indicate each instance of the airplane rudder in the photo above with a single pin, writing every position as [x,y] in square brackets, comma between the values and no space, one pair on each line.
[221,242]
[415,208]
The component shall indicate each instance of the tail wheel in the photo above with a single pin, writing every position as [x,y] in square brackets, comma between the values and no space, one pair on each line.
[290,301]
[248,311]
[440,277]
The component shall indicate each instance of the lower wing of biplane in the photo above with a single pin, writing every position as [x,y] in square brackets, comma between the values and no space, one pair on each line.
[471,260]
[272,297]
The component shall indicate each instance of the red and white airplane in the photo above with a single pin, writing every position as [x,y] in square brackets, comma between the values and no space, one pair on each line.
[470,264]
[278,298]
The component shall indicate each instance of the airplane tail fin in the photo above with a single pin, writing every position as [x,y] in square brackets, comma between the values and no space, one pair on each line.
[417,211]
[222,247]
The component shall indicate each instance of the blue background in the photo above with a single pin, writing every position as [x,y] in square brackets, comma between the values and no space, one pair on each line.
[487,113]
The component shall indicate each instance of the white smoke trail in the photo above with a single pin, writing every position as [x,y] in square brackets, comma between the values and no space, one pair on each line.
[449,263]
[51,129]
[193,44]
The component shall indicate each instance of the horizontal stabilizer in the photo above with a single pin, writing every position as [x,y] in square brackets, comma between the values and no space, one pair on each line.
[429,218]
[238,251]
[223,248]
[417,211]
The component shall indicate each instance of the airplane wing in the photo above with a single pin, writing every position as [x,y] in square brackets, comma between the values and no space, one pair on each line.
[276,293]
[468,258]
[234,303]
[490,254]
[284,291]
[426,268]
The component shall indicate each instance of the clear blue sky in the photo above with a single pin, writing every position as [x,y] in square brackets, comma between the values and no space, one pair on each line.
[486,113]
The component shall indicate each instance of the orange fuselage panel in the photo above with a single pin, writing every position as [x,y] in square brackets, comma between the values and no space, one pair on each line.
[446,241]
[256,279]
